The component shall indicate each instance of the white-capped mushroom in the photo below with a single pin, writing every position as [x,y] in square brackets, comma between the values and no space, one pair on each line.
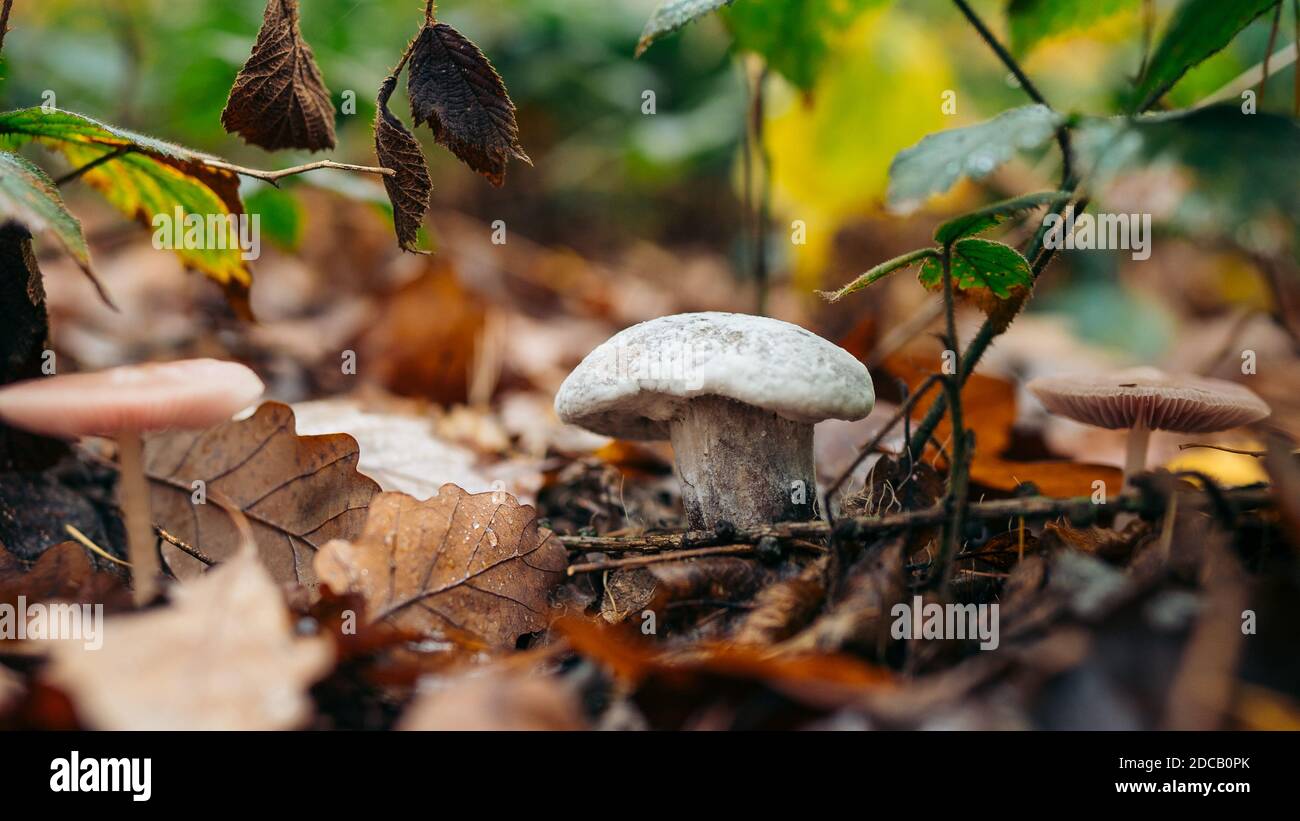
[1145,399]
[123,403]
[737,395]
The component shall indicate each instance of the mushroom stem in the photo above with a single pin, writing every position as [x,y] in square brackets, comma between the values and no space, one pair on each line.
[741,464]
[1135,458]
[133,495]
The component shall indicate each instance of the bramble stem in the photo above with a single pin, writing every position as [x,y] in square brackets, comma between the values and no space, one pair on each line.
[4,20]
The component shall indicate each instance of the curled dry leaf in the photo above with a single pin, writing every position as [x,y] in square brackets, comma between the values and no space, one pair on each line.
[454,88]
[785,607]
[279,99]
[297,492]
[477,563]
[222,656]
[409,188]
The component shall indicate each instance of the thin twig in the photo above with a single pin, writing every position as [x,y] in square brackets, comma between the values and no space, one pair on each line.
[1032,508]
[4,20]
[85,541]
[1295,19]
[658,558]
[184,546]
[273,177]
[1272,41]
[762,169]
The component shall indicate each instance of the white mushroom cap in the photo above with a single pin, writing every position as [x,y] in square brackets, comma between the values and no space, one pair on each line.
[1151,398]
[637,381]
[191,393]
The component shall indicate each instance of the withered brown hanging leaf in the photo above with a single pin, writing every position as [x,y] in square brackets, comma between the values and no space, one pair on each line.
[455,89]
[297,492]
[410,187]
[477,563]
[279,99]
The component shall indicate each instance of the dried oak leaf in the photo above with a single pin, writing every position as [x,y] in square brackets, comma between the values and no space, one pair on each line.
[409,188]
[279,99]
[297,492]
[477,563]
[222,656]
[454,88]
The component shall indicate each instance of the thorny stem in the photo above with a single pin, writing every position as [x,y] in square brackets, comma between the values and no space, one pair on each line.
[1295,18]
[1062,133]
[1031,508]
[955,500]
[430,10]
[1038,255]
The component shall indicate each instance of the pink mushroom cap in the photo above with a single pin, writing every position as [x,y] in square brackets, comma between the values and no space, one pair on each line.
[191,393]
[1150,398]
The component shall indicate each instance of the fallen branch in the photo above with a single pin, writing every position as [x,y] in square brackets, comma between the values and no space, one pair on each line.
[1034,507]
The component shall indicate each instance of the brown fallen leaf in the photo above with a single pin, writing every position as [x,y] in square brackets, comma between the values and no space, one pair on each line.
[222,656]
[477,563]
[498,698]
[66,573]
[279,99]
[708,583]
[297,492]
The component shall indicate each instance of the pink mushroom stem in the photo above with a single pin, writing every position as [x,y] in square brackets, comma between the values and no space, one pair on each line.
[133,491]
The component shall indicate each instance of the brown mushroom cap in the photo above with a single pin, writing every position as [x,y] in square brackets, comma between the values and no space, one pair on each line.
[192,393]
[1150,398]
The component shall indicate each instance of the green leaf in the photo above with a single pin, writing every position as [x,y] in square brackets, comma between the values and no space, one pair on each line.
[672,15]
[1234,175]
[1198,29]
[980,264]
[794,37]
[142,177]
[29,197]
[934,164]
[1032,21]
[990,216]
[881,271]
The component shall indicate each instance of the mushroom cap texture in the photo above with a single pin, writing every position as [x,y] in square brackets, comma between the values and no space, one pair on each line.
[1183,404]
[191,393]
[633,384]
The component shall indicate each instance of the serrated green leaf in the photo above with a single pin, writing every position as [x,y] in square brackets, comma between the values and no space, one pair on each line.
[1031,21]
[1199,28]
[141,177]
[934,164]
[880,271]
[991,216]
[793,37]
[672,15]
[980,264]
[29,197]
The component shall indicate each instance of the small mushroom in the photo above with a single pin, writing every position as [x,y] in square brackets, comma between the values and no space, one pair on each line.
[123,403]
[737,395]
[1147,399]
